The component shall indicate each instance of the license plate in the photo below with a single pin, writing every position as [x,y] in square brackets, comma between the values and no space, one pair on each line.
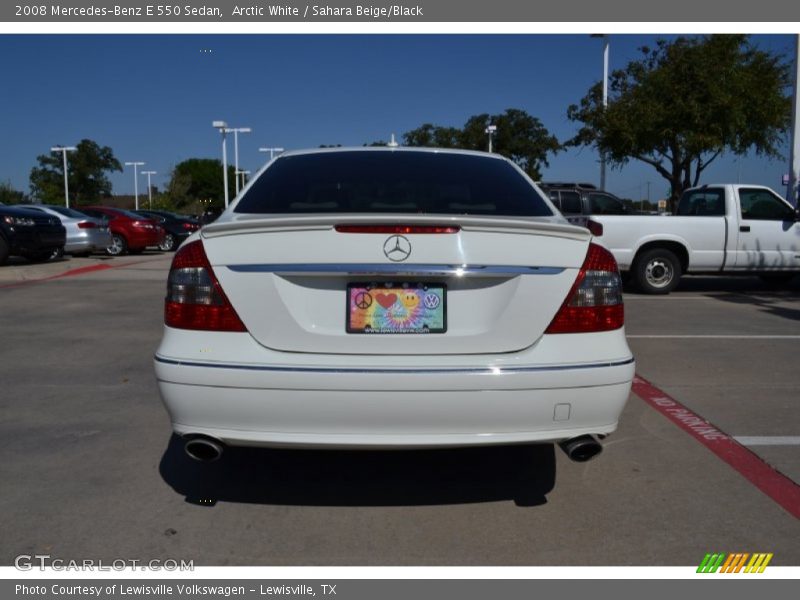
[396,308]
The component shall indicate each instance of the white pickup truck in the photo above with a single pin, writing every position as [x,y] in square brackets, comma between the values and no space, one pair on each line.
[720,228]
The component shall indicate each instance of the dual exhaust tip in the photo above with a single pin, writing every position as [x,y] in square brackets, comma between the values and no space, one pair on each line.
[204,449]
[582,448]
[579,449]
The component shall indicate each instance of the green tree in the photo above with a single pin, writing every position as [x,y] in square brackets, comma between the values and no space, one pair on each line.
[519,137]
[686,102]
[199,180]
[9,195]
[87,172]
[436,136]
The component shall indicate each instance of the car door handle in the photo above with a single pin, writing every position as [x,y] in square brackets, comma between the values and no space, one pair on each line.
[744,228]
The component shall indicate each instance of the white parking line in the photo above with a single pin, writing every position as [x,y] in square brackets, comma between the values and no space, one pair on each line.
[715,337]
[671,298]
[768,440]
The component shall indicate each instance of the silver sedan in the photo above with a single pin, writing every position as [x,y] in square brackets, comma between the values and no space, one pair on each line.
[85,234]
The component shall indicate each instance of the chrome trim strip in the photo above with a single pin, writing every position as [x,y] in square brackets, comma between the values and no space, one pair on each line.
[454,371]
[395,269]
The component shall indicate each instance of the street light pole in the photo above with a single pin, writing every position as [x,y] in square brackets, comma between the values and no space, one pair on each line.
[605,101]
[64,150]
[242,174]
[149,188]
[236,131]
[491,130]
[135,166]
[223,128]
[605,105]
[794,159]
[271,151]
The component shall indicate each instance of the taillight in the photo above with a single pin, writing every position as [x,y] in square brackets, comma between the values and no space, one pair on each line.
[195,299]
[142,224]
[398,229]
[87,225]
[190,226]
[595,301]
[595,227]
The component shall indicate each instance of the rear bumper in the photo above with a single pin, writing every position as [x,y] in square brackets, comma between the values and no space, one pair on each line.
[370,407]
[87,240]
[143,238]
[36,239]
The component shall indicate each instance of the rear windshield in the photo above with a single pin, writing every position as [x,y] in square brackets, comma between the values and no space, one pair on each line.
[392,182]
[130,214]
[68,212]
[702,203]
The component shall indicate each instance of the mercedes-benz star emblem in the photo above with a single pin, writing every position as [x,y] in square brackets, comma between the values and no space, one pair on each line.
[397,248]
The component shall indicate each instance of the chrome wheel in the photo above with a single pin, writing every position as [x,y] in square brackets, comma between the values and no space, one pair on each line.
[659,273]
[168,245]
[117,246]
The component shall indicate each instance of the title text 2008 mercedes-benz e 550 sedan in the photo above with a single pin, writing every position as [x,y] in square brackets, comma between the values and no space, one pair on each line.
[393,298]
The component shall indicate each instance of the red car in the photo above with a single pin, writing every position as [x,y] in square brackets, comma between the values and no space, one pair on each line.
[130,232]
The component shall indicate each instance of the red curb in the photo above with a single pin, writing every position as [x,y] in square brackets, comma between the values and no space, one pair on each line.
[773,483]
[72,272]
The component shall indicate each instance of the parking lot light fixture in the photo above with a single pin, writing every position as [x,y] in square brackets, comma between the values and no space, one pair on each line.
[223,129]
[236,131]
[272,151]
[149,188]
[64,150]
[135,165]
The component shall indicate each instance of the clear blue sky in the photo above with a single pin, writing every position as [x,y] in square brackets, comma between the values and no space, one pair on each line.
[152,98]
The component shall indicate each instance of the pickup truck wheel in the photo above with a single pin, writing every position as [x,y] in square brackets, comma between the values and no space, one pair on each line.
[657,271]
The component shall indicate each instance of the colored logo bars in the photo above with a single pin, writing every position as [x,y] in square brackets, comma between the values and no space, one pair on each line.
[734,563]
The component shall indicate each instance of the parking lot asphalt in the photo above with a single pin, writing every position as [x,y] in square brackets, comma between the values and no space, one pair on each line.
[89,469]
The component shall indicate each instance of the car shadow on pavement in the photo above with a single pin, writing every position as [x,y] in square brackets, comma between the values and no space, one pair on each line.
[524,474]
[766,303]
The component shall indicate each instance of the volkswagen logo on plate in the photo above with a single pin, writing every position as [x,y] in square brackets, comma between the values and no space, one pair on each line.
[397,248]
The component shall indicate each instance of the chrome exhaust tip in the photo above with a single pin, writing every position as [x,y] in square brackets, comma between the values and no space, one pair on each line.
[582,448]
[204,449]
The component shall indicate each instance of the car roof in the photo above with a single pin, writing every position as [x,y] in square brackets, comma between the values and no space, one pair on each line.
[19,211]
[344,149]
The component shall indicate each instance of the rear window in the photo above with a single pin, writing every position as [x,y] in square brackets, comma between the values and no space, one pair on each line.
[603,204]
[702,203]
[571,203]
[67,212]
[392,182]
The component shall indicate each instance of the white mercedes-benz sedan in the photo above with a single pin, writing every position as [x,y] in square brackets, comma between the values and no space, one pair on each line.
[393,298]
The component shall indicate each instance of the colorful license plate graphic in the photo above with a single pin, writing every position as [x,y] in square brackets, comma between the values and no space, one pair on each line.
[396,308]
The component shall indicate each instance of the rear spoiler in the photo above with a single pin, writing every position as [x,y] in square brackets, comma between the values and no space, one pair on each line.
[238,224]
